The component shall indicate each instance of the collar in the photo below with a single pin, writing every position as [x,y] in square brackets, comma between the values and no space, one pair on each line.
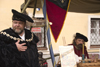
[15,38]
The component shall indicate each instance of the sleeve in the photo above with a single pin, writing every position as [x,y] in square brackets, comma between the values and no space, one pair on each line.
[36,39]
[37,55]
[3,44]
[7,52]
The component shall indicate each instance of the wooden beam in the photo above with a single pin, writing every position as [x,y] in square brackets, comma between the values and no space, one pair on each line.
[25,6]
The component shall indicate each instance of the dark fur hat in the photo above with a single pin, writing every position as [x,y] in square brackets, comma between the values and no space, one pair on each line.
[20,16]
[81,36]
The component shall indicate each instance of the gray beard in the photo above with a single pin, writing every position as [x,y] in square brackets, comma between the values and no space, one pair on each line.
[18,32]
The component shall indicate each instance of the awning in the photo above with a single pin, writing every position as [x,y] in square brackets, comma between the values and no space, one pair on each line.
[85,6]
[81,6]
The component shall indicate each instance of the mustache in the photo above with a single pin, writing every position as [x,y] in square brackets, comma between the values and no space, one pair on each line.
[17,27]
[79,46]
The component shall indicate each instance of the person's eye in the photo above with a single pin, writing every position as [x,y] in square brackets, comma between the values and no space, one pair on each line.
[79,40]
[20,23]
[15,22]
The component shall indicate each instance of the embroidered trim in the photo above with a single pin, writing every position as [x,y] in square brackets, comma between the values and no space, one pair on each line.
[14,38]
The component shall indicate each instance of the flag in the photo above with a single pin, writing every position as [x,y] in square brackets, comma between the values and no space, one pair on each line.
[56,12]
[56,15]
[48,36]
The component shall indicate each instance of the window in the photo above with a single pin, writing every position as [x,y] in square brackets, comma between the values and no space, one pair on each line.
[94,31]
[40,30]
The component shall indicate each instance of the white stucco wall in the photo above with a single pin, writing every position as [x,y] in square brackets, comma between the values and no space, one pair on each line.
[5,12]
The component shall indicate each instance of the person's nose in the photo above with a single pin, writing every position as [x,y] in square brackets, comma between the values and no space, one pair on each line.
[17,24]
[81,42]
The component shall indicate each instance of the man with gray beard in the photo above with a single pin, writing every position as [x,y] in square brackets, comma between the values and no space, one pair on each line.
[18,45]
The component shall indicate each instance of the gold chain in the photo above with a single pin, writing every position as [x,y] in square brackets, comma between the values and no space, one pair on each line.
[14,38]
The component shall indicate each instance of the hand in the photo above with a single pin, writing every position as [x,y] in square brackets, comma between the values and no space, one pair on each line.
[20,47]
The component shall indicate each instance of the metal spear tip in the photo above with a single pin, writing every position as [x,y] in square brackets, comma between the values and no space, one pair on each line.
[50,23]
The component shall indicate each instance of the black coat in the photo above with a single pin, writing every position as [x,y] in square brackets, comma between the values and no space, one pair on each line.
[9,54]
